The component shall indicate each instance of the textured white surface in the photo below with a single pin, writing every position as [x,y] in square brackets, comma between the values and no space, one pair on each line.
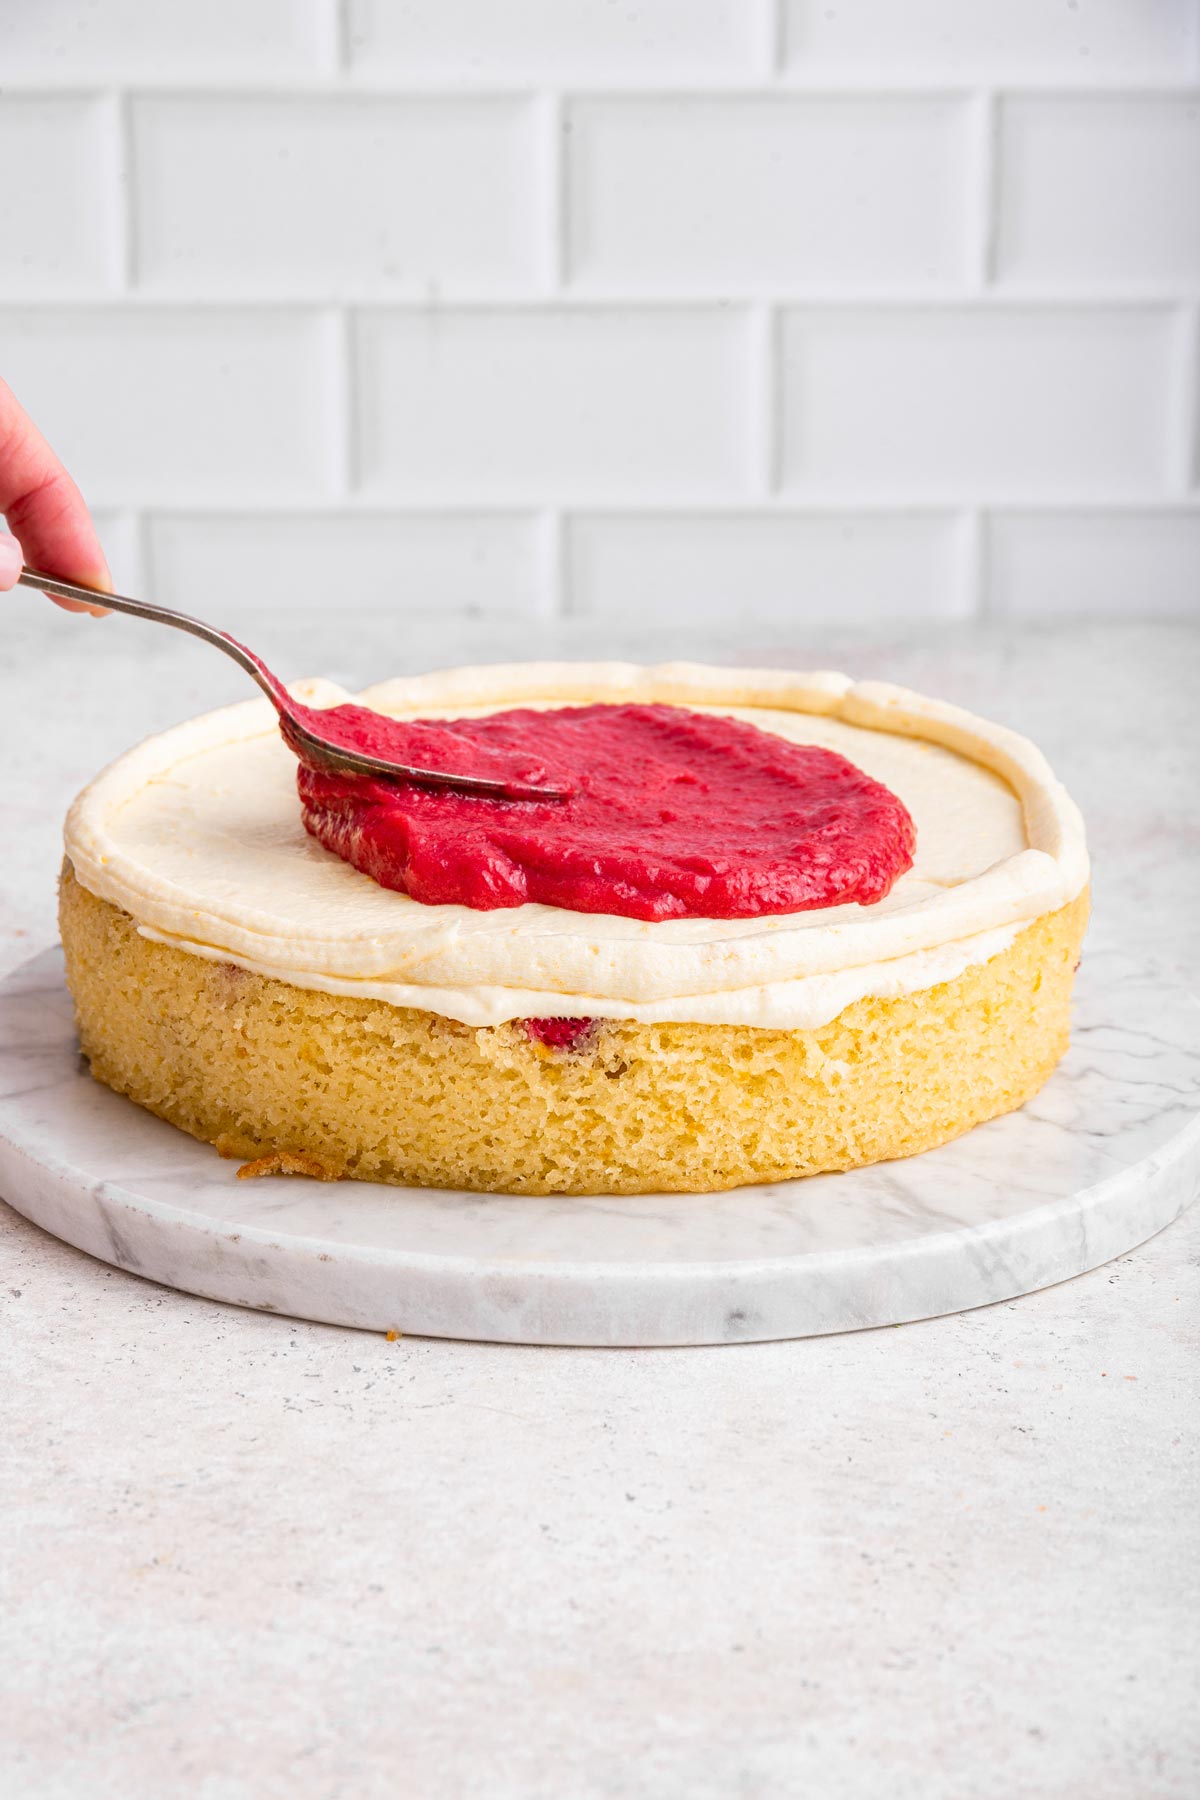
[734,195]
[467,564]
[1076,43]
[515,404]
[931,404]
[573,263]
[1100,191]
[1075,563]
[250,1558]
[554,40]
[181,405]
[620,567]
[123,40]
[63,138]
[340,185]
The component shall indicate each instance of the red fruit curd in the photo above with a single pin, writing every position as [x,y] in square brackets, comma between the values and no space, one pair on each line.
[672,814]
[560,1034]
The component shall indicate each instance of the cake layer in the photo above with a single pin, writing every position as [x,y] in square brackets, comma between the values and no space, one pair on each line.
[355,1087]
[197,836]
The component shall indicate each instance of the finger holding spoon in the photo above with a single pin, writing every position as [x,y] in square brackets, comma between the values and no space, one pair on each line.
[49,524]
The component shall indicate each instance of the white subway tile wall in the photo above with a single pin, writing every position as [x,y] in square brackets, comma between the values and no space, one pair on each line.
[961,402]
[147,405]
[458,41]
[462,563]
[758,195]
[667,310]
[525,403]
[295,196]
[852,566]
[56,222]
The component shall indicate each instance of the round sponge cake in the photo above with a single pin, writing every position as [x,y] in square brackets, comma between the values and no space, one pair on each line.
[388,1093]
[244,984]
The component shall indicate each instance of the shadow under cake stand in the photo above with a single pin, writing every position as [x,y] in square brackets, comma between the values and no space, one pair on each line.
[1107,1154]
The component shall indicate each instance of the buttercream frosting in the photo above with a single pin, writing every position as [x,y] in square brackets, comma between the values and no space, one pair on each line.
[197,834]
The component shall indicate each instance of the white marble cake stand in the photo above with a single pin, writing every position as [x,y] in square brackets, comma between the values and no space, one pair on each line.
[1106,1155]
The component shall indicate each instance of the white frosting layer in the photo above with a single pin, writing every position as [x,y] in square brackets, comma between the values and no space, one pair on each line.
[197,834]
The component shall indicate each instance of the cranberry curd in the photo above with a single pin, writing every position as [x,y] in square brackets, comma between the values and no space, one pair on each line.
[671,814]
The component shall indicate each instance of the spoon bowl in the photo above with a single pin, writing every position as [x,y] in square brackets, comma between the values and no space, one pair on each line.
[295,721]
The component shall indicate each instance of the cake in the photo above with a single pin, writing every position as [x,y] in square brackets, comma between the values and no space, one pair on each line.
[234,976]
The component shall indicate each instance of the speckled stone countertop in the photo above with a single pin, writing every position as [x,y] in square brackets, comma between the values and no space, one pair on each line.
[956,1560]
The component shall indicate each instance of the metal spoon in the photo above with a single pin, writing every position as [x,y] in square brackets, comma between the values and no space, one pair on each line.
[298,733]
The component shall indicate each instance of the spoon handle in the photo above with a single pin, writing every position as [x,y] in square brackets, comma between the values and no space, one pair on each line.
[306,742]
[159,615]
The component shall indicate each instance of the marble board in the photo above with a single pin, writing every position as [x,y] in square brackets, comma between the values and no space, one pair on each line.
[1107,1154]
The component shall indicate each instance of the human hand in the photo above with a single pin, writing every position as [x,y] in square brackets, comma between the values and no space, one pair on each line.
[45,510]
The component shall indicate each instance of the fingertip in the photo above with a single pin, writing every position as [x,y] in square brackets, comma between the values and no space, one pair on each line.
[11,560]
[104,582]
[100,579]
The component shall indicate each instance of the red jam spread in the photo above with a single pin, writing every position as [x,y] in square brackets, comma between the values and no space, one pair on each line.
[672,815]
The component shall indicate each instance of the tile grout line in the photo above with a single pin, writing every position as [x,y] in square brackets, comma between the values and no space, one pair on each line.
[1184,425]
[555,572]
[143,548]
[747,86]
[976,546]
[121,251]
[983,190]
[764,328]
[997,300]
[553,210]
[769,39]
[334,27]
[341,385]
[530,505]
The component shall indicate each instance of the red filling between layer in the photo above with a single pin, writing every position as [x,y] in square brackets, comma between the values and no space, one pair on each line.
[673,814]
[559,1034]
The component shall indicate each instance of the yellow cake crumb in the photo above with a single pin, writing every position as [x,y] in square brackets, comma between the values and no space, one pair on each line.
[266,1070]
[289,1162]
